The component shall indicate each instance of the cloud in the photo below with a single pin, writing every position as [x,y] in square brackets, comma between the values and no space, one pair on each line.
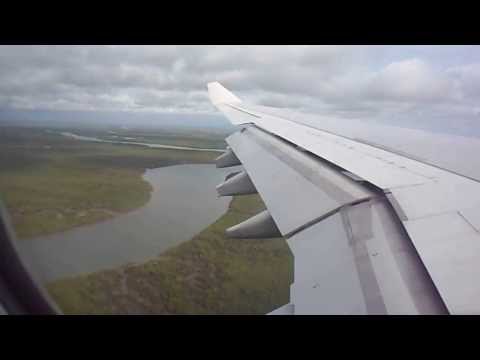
[410,80]
[337,81]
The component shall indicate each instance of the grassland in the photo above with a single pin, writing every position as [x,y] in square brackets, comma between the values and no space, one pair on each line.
[51,183]
[209,274]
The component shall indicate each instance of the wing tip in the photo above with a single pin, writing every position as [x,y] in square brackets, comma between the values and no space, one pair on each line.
[219,94]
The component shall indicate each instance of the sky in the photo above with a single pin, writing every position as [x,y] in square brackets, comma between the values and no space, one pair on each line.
[439,83]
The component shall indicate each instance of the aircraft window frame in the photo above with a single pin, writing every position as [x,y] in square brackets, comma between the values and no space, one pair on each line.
[20,293]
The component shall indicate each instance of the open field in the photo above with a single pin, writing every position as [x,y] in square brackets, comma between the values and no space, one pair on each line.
[209,274]
[51,183]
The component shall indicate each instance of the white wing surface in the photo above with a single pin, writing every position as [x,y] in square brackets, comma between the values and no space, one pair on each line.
[373,229]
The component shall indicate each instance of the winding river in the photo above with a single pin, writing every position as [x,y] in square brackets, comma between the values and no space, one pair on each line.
[150,145]
[183,202]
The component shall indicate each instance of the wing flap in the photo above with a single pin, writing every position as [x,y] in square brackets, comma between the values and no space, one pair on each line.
[455,271]
[296,188]
[360,261]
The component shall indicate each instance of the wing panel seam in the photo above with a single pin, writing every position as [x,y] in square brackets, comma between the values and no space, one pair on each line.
[326,215]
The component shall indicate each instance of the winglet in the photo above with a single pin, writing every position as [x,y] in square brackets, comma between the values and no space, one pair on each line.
[218,94]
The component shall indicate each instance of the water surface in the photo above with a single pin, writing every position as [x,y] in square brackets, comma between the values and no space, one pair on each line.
[183,202]
[158,146]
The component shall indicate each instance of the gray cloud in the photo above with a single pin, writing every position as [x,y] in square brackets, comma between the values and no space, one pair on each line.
[340,81]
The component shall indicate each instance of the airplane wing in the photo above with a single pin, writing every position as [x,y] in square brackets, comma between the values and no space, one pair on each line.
[373,230]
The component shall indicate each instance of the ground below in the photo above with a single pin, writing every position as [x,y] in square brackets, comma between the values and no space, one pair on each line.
[50,183]
[209,274]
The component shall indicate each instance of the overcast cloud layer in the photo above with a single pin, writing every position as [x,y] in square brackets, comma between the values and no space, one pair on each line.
[338,81]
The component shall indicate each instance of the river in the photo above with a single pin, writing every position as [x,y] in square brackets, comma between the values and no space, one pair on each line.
[158,146]
[183,202]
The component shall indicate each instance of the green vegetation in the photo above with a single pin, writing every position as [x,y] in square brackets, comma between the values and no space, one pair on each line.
[209,274]
[51,183]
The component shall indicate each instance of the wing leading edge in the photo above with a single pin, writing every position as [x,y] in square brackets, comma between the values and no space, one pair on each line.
[372,231]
